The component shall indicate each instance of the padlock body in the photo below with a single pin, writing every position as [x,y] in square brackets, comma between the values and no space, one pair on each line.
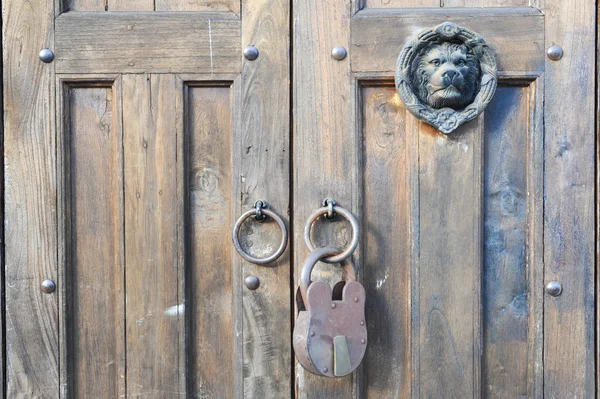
[326,319]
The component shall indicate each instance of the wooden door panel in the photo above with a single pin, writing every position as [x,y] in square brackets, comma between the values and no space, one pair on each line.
[511,311]
[92,191]
[152,129]
[452,254]
[163,137]
[212,302]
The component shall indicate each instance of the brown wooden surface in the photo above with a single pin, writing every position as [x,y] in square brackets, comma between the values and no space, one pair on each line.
[165,134]
[209,254]
[450,260]
[512,284]
[466,225]
[198,5]
[94,277]
[262,155]
[152,126]
[386,275]
[514,35]
[325,148]
[29,200]
[157,42]
[569,206]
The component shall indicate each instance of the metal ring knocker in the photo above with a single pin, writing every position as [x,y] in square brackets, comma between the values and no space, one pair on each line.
[326,210]
[259,211]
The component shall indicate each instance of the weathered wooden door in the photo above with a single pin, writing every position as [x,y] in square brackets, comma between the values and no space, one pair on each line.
[128,158]
[130,155]
[460,232]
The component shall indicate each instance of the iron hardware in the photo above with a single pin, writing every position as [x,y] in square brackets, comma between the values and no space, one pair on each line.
[330,335]
[260,210]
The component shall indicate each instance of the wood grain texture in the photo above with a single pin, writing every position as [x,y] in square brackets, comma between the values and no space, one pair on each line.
[513,34]
[569,369]
[152,125]
[325,147]
[263,152]
[84,5]
[399,3]
[157,42]
[211,292]
[198,5]
[29,201]
[450,260]
[485,3]
[386,243]
[511,305]
[130,5]
[94,256]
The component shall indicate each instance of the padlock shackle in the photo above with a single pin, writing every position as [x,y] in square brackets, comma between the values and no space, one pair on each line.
[313,258]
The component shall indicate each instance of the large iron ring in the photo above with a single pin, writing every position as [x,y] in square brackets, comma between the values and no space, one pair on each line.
[355,232]
[247,256]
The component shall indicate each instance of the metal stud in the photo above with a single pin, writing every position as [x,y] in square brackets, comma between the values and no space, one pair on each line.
[252,282]
[312,333]
[333,306]
[553,288]
[363,341]
[325,369]
[250,53]
[48,286]
[339,53]
[554,52]
[46,55]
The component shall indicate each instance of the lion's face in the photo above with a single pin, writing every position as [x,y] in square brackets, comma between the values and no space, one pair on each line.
[446,75]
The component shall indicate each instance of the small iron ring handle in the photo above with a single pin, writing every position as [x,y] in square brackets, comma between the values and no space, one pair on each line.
[355,232]
[236,239]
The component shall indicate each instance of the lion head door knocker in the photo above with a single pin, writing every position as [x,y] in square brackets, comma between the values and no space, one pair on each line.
[446,76]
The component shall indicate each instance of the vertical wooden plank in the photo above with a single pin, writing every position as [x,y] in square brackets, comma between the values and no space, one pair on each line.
[198,5]
[129,5]
[94,257]
[450,209]
[569,369]
[386,243]
[506,298]
[152,122]
[325,147]
[210,267]
[263,150]
[29,200]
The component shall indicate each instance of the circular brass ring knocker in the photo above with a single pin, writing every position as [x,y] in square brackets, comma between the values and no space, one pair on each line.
[263,212]
[355,232]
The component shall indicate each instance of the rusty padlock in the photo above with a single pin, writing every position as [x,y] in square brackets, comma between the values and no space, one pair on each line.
[330,336]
